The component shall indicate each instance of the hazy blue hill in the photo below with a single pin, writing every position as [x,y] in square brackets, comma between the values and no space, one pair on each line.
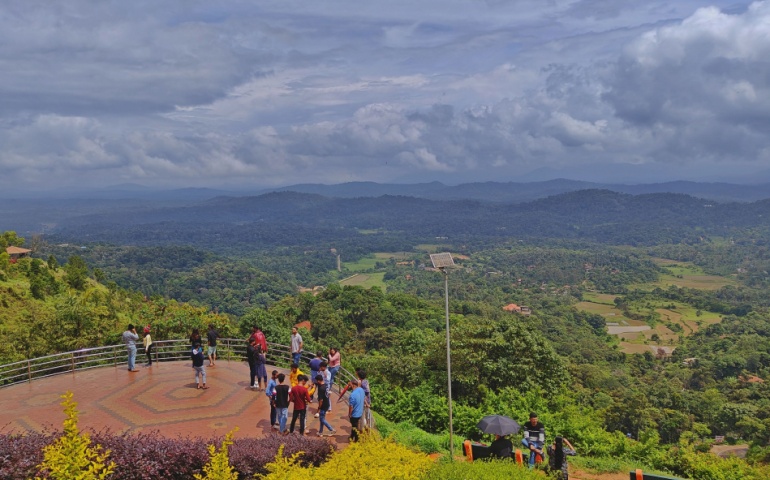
[515,192]
[292,218]
[368,189]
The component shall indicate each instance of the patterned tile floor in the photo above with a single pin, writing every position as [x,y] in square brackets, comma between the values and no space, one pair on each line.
[162,397]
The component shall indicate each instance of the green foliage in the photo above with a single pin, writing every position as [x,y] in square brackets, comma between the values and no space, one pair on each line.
[5,260]
[72,456]
[53,264]
[406,433]
[10,238]
[499,353]
[482,470]
[76,272]
[219,467]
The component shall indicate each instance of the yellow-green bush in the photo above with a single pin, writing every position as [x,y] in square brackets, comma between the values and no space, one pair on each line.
[482,470]
[369,459]
[71,457]
[219,467]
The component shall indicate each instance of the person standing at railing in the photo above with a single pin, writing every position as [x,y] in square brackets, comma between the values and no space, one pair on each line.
[147,341]
[296,346]
[364,384]
[195,338]
[212,336]
[355,409]
[259,366]
[327,377]
[251,358]
[130,338]
[315,366]
[334,365]
[256,333]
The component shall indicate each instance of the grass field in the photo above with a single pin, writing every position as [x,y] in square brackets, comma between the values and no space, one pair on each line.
[362,265]
[369,263]
[604,298]
[635,339]
[366,280]
[683,274]
[607,310]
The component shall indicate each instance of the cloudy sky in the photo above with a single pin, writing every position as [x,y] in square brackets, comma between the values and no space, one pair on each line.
[267,93]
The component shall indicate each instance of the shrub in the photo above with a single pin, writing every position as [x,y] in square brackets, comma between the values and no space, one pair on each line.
[21,454]
[71,455]
[251,455]
[369,459]
[482,470]
[219,467]
[411,436]
[145,456]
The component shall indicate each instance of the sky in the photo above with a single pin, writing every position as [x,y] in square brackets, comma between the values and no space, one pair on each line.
[185,93]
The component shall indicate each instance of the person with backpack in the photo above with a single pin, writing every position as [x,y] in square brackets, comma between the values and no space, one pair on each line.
[197,364]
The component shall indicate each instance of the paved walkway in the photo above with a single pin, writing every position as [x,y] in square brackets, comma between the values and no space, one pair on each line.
[162,397]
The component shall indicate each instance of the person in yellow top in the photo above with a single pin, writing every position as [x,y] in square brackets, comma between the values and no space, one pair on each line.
[293,374]
[147,340]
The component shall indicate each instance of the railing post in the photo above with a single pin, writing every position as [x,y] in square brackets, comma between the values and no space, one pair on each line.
[72,362]
[29,371]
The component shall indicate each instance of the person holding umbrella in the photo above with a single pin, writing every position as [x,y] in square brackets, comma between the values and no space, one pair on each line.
[501,447]
[500,426]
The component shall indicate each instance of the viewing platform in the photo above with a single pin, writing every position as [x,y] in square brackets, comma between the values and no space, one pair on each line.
[161,398]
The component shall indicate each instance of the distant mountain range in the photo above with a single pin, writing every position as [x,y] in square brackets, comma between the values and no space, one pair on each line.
[514,192]
[135,204]
[292,218]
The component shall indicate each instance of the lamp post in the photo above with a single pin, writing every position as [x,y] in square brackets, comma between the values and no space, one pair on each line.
[442,261]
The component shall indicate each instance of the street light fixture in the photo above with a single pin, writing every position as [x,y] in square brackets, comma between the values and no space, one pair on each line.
[442,261]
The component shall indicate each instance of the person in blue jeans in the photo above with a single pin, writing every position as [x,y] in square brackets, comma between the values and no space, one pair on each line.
[130,337]
[296,345]
[270,392]
[534,438]
[282,402]
[323,405]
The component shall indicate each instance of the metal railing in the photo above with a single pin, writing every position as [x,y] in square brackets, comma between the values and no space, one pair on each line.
[229,349]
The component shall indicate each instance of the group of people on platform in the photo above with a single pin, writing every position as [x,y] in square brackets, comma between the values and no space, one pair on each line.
[300,390]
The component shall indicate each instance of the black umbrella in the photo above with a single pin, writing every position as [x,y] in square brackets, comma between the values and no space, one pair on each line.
[498,425]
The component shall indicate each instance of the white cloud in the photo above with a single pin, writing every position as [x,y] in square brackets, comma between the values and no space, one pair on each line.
[284,92]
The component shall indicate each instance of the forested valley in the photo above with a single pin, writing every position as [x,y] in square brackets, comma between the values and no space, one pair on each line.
[646,332]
